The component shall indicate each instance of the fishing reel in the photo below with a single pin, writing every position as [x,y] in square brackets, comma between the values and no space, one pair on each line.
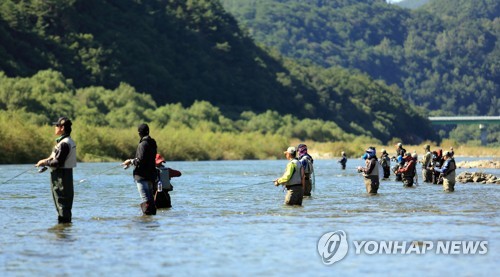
[43,169]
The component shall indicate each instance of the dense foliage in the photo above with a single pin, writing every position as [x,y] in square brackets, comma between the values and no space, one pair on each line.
[444,56]
[105,122]
[411,4]
[176,52]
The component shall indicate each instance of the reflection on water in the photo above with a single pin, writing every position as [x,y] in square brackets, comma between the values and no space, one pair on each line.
[228,218]
[62,231]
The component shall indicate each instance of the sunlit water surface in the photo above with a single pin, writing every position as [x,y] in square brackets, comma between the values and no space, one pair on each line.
[229,219]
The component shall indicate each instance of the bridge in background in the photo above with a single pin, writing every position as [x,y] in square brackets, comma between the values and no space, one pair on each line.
[482,121]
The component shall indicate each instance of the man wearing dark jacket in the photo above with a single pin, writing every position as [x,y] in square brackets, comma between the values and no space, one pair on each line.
[145,170]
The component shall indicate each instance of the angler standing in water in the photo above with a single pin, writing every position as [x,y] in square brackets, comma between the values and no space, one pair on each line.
[307,163]
[162,197]
[292,179]
[426,162]
[385,162]
[371,171]
[145,170]
[343,160]
[409,171]
[61,163]
[447,172]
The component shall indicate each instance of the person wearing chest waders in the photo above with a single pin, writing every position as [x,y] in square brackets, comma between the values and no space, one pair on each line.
[343,160]
[61,163]
[400,154]
[307,163]
[385,162]
[371,171]
[292,179]
[163,185]
[409,169]
[145,173]
[426,162]
[447,172]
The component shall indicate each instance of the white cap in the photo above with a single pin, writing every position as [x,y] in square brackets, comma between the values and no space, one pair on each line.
[291,150]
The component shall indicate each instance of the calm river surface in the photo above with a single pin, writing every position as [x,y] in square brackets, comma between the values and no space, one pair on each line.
[224,221]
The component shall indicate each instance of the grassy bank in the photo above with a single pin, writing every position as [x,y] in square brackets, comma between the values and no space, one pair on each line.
[25,143]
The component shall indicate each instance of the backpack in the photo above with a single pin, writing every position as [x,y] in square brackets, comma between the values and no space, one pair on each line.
[308,169]
[164,177]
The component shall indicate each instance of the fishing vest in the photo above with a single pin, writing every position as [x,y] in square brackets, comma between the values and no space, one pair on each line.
[376,170]
[451,167]
[70,161]
[296,176]
[308,169]
[412,171]
[426,162]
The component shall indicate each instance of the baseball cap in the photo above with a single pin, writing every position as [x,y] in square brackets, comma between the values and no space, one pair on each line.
[62,121]
[290,150]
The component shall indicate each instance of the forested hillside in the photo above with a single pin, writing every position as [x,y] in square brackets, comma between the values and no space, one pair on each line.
[444,56]
[178,52]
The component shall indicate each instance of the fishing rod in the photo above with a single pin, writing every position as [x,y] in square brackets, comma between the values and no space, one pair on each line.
[16,176]
[250,185]
[100,172]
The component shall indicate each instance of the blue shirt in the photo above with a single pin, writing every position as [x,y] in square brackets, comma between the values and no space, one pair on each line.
[445,167]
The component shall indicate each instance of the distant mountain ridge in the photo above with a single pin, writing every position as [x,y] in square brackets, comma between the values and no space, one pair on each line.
[183,51]
[443,55]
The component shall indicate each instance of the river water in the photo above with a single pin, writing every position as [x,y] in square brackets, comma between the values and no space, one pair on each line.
[229,219]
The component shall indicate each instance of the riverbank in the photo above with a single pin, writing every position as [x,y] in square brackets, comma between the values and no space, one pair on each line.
[479,164]
[332,150]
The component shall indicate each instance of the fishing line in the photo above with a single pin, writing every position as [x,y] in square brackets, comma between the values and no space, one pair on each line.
[16,176]
[313,181]
[261,183]
[99,173]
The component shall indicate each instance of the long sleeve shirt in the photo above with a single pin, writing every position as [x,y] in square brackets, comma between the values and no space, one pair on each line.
[144,161]
[448,166]
[370,166]
[409,168]
[289,170]
[60,155]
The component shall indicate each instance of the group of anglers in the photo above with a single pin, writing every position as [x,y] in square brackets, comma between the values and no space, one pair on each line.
[437,168]
[152,178]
